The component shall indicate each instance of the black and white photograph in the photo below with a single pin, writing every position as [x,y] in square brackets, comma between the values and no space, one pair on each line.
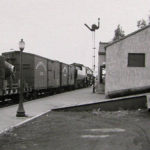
[74,75]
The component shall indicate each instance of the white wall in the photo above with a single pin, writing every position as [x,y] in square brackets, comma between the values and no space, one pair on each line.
[118,75]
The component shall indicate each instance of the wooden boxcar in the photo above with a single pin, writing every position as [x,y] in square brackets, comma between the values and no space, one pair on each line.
[6,79]
[71,76]
[34,69]
[53,74]
[64,73]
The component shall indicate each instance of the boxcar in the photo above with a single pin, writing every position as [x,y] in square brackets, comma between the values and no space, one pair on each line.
[40,72]
[71,76]
[7,88]
[64,75]
[53,74]
[34,69]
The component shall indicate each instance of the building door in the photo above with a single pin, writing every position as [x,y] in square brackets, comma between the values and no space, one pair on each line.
[102,78]
[102,74]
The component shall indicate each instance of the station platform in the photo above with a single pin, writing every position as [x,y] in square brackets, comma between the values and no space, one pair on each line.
[40,106]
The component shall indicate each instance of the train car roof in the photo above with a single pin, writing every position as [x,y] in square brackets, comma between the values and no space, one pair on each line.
[36,56]
[30,54]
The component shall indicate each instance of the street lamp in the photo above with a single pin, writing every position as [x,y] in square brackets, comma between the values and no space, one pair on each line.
[20,111]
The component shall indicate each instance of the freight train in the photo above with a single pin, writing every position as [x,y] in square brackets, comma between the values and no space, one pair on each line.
[41,76]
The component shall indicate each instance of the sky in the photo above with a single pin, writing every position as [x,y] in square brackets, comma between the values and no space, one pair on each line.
[55,28]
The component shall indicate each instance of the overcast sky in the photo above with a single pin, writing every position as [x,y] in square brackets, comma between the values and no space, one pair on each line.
[55,28]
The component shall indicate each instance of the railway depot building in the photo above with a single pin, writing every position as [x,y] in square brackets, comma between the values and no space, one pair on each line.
[124,65]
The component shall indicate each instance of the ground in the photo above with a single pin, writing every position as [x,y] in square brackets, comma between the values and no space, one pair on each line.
[96,130]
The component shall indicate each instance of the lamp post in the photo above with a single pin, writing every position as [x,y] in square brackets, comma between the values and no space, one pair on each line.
[20,111]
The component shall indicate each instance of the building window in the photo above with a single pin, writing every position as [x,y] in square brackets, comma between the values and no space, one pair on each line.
[136,60]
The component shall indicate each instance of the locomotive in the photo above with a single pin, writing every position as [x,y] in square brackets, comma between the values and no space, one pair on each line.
[83,75]
[41,76]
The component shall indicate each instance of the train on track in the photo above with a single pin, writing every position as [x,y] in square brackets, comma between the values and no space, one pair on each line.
[41,76]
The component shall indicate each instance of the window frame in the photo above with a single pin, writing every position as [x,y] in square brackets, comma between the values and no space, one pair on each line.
[141,64]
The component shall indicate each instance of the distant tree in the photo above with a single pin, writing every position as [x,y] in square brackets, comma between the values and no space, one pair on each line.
[141,23]
[119,33]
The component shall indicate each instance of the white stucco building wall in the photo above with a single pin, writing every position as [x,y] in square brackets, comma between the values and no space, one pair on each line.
[119,75]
